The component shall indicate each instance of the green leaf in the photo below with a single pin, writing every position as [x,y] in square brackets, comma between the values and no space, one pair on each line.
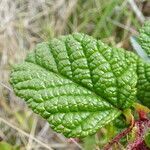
[143,70]
[143,85]
[77,83]
[120,123]
[147,139]
[144,37]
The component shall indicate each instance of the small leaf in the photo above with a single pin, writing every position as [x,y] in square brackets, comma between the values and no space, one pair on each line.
[147,139]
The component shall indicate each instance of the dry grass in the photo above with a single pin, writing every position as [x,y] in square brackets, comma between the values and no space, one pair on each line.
[23,23]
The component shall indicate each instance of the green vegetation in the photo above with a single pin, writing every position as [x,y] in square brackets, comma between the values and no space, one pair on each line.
[28,22]
[79,84]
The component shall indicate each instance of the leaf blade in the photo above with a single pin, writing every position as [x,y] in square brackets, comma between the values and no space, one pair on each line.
[69,108]
[76,74]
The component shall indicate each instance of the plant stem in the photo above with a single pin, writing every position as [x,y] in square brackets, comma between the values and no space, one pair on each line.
[130,119]
[118,137]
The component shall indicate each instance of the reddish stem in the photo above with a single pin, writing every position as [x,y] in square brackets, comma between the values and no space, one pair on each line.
[139,143]
[118,137]
[142,124]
